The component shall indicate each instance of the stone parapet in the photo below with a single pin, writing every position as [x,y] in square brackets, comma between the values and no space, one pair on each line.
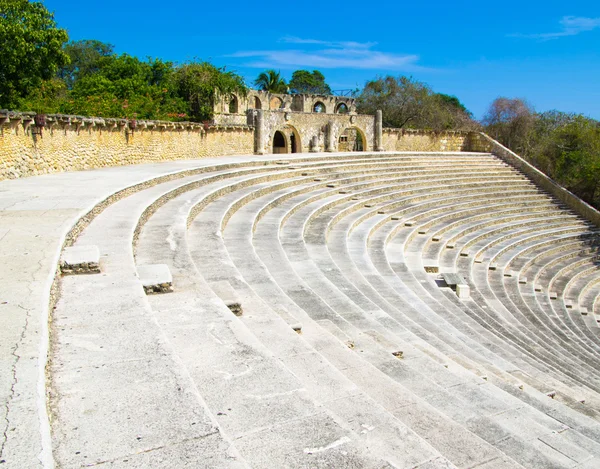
[71,143]
[425,140]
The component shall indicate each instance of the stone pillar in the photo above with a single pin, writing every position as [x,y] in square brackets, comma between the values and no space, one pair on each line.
[259,131]
[314,144]
[330,143]
[378,131]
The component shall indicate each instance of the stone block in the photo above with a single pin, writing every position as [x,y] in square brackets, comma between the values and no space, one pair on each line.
[538,288]
[523,280]
[431,266]
[553,295]
[493,266]
[225,291]
[80,260]
[155,278]
[569,304]
[409,223]
[583,310]
[463,291]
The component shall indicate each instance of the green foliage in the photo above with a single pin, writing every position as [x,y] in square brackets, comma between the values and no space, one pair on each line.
[564,146]
[199,83]
[124,86]
[567,148]
[31,50]
[408,103]
[305,82]
[46,98]
[271,81]
[85,59]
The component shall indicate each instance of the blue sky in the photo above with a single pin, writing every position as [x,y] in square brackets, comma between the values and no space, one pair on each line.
[547,52]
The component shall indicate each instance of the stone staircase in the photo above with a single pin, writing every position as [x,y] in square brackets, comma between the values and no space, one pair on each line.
[346,347]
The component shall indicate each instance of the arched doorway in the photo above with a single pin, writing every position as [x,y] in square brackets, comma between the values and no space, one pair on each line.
[257,103]
[233,105]
[279,143]
[352,139]
[287,140]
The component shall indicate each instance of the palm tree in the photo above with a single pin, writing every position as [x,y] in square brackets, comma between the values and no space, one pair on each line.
[271,81]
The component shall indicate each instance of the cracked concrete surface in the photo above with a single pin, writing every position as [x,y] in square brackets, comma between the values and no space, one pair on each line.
[35,215]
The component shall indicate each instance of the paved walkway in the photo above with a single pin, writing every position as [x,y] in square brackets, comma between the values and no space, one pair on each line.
[35,215]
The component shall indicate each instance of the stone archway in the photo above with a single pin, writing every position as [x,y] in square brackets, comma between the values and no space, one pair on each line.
[275,103]
[319,107]
[342,108]
[352,139]
[287,140]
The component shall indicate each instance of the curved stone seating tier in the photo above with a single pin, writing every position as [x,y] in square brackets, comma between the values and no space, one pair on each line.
[390,256]
[309,326]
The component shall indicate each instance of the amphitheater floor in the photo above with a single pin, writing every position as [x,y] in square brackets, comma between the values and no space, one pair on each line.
[384,373]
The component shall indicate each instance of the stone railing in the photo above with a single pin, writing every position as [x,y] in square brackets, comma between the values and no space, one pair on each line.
[482,142]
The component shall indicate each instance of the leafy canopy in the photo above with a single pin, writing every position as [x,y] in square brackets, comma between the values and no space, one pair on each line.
[85,59]
[198,84]
[31,50]
[408,103]
[305,82]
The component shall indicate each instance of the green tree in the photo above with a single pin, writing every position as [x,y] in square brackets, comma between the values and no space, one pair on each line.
[305,82]
[408,103]
[271,81]
[85,59]
[510,121]
[124,86]
[32,49]
[567,148]
[198,83]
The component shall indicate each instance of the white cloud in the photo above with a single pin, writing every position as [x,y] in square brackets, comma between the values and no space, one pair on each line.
[328,54]
[571,26]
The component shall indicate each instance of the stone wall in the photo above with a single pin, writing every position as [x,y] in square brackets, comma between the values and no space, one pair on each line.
[70,143]
[425,140]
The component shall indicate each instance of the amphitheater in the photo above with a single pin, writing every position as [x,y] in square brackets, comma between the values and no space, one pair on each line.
[375,309]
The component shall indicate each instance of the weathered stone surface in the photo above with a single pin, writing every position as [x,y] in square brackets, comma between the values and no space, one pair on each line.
[155,278]
[80,260]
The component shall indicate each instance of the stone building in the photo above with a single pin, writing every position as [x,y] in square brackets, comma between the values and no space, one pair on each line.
[300,123]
